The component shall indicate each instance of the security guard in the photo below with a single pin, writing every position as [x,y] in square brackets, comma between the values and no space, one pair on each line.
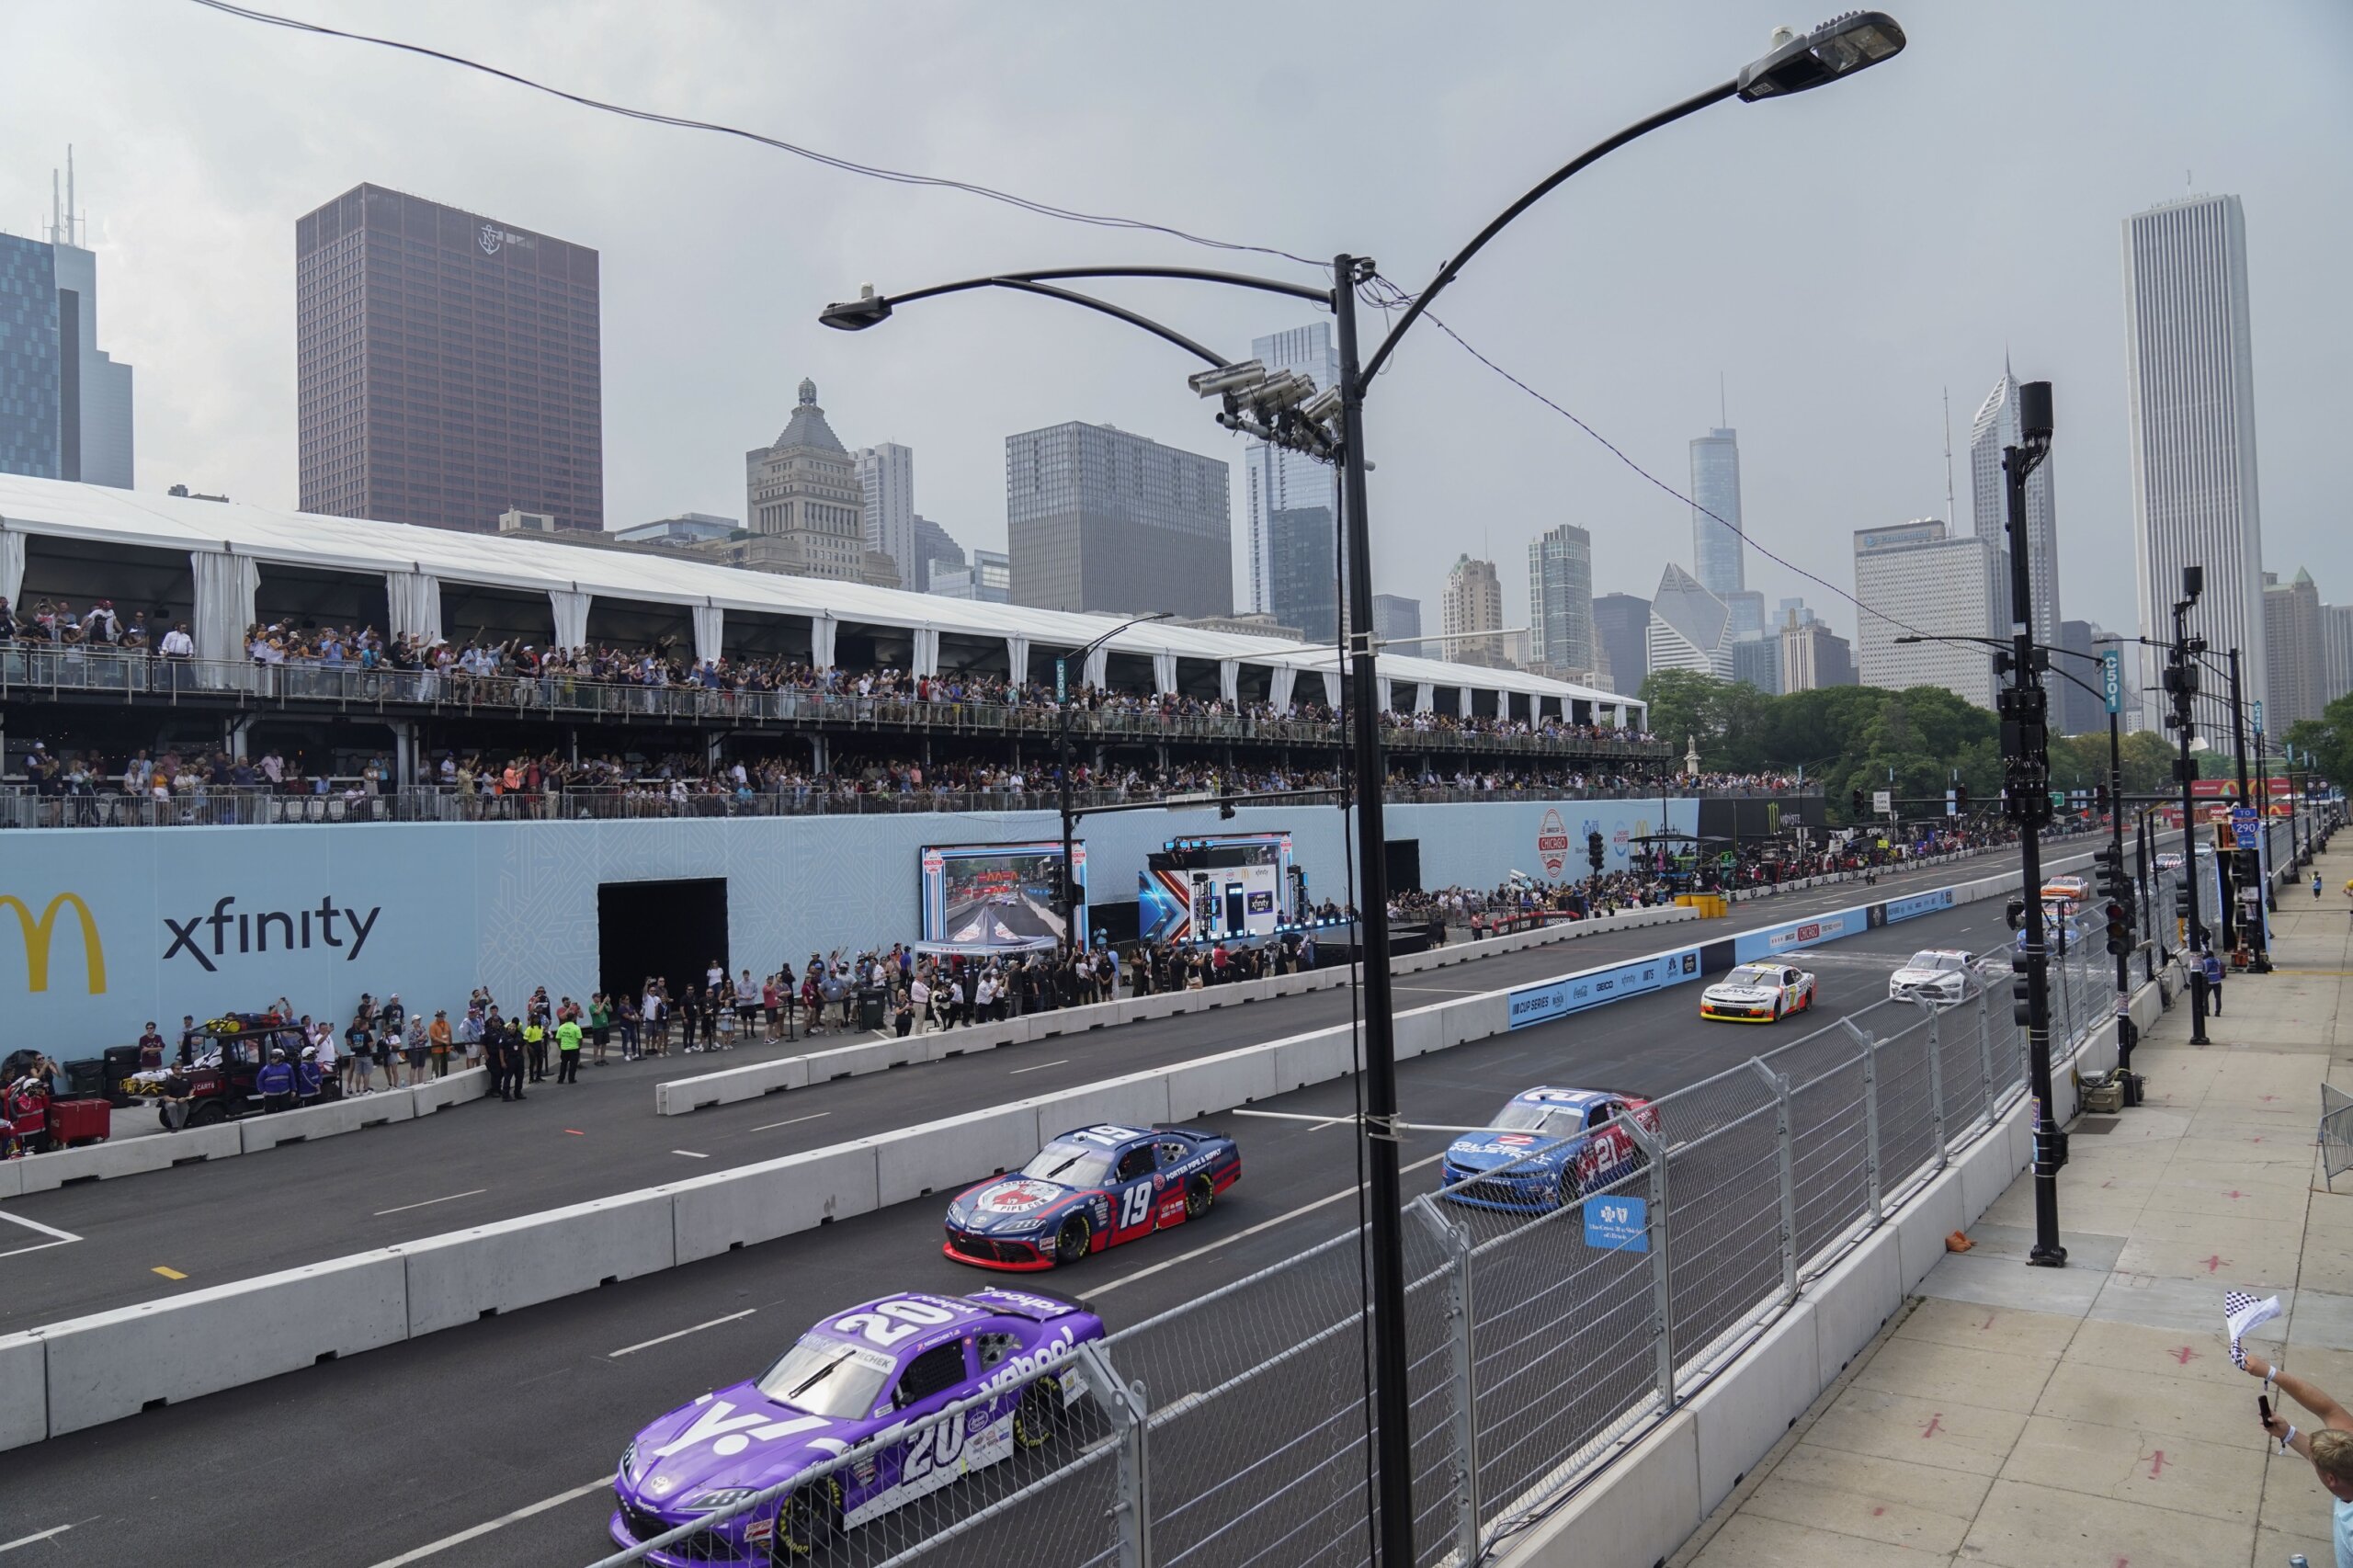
[535,1044]
[275,1082]
[567,1051]
[308,1079]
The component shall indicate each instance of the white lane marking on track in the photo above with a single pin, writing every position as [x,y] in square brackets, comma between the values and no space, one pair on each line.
[57,1238]
[789,1121]
[681,1334]
[1238,1235]
[429,1202]
[38,1535]
[1040,1067]
[690,1153]
[542,1507]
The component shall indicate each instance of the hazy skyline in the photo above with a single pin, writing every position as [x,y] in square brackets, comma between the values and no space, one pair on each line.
[1841,260]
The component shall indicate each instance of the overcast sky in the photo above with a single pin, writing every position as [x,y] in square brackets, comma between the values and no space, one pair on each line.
[1840,260]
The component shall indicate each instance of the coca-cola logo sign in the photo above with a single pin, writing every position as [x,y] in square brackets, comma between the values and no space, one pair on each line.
[1552,843]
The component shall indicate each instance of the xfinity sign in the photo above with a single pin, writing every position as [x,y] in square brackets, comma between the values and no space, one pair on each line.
[228,931]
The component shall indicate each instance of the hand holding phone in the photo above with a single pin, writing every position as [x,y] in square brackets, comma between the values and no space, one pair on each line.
[2263,1408]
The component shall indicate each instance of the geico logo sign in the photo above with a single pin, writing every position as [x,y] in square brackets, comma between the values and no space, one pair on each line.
[38,933]
[220,934]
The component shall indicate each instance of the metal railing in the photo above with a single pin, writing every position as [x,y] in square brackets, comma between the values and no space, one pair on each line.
[1545,1336]
[32,670]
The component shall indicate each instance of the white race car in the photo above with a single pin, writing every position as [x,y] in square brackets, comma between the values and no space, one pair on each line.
[1757,994]
[1938,975]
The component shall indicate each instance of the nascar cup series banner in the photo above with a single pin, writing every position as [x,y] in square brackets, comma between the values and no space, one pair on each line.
[1595,987]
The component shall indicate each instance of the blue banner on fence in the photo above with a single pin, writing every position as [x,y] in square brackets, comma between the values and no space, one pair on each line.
[1621,1224]
[1575,993]
[1919,904]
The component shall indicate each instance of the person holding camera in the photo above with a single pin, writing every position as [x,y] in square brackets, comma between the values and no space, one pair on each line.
[2328,1446]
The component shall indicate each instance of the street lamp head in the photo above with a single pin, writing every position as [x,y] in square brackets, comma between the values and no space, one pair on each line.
[1841,47]
[855,315]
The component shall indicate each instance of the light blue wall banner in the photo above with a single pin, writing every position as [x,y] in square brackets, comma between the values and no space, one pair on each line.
[1575,993]
[1619,1224]
[1919,904]
[1798,934]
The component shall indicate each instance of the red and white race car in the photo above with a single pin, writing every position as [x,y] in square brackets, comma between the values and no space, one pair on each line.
[1757,994]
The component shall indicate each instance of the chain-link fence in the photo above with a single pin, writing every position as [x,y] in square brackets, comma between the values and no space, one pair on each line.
[1562,1297]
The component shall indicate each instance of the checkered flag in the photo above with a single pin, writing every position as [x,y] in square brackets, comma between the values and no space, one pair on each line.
[2241,1314]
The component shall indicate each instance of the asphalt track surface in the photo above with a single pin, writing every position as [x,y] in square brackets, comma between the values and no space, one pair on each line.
[227,1219]
[494,1443]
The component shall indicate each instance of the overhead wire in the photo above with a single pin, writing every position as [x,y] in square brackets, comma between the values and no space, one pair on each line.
[829,160]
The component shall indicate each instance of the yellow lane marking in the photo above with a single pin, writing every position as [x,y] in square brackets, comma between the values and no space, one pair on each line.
[169,1273]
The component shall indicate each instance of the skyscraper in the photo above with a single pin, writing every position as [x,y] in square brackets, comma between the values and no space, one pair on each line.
[1690,628]
[1924,579]
[2295,631]
[1621,629]
[65,405]
[933,546]
[886,479]
[447,367]
[1397,624]
[1716,557]
[1100,519]
[1472,602]
[805,505]
[2189,392]
[1560,598]
[1813,656]
[985,579]
[1292,502]
[1996,426]
[2080,712]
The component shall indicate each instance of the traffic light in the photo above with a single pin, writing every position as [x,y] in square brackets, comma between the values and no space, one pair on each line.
[2181,902]
[2021,999]
[1961,799]
[1855,800]
[1593,851]
[2120,928]
[2099,799]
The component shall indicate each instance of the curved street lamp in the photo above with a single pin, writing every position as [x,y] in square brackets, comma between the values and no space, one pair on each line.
[1328,423]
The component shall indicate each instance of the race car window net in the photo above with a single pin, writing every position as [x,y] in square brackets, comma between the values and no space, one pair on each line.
[1069,1164]
[825,1377]
[942,1367]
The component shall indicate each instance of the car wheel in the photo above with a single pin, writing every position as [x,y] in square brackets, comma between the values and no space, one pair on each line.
[208,1113]
[1777,1010]
[1040,1414]
[807,1522]
[1073,1240]
[1198,1195]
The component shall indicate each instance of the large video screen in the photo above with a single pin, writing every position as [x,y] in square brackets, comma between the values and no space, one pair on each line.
[1219,888]
[996,898]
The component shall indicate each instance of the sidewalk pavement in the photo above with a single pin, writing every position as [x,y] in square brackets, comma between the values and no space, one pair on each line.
[2090,1417]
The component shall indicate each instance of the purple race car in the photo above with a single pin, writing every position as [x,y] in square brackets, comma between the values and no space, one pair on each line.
[864,1374]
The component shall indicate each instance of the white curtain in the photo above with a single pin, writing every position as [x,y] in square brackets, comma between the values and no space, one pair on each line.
[1331,689]
[1462,702]
[821,640]
[225,586]
[12,564]
[570,617]
[1097,663]
[711,633]
[1388,695]
[1164,673]
[1284,678]
[416,600]
[926,651]
[1228,679]
[1016,658]
[1424,697]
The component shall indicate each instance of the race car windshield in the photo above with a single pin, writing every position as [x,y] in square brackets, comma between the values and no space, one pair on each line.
[1936,961]
[1749,974]
[1071,1164]
[825,1377]
[1520,1116]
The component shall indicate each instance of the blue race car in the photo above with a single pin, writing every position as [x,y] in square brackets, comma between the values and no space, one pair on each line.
[1088,1190]
[854,1377]
[1558,1143]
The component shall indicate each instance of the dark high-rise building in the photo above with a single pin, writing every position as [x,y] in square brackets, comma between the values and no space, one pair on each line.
[448,367]
[2080,712]
[1301,575]
[1099,519]
[1622,624]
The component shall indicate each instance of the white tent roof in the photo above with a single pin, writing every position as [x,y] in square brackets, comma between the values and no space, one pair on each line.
[102,516]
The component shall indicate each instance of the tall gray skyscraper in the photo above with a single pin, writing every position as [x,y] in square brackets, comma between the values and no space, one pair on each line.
[1100,519]
[933,545]
[1472,601]
[1620,633]
[2295,630]
[1715,488]
[1920,575]
[1290,534]
[1560,598]
[65,405]
[1996,426]
[2190,391]
[886,479]
[1397,624]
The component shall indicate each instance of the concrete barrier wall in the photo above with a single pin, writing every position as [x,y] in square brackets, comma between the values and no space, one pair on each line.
[947,1156]
[110,1365]
[24,1390]
[255,1134]
[751,1204]
[471,1273]
[132,1156]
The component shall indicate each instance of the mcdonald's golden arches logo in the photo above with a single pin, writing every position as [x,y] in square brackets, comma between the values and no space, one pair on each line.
[38,934]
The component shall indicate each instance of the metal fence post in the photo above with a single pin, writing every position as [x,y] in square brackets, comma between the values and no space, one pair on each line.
[1871,1114]
[1783,1158]
[1653,1147]
[1936,1082]
[1460,1326]
[1125,1403]
[1986,1053]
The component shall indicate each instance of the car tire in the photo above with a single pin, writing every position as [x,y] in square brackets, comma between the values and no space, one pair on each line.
[1199,1194]
[209,1113]
[1777,1010]
[806,1523]
[1038,1416]
[1075,1240]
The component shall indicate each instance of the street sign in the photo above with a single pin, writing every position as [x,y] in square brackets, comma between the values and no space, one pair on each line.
[2111,681]
[1620,1224]
[1952,805]
[1882,802]
[2256,707]
[2244,825]
[1061,680]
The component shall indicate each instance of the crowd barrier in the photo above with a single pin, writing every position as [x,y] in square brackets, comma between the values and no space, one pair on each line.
[116,1363]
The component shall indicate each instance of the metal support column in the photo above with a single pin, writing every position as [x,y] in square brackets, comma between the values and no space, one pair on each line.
[1936,1082]
[1460,1325]
[1785,1162]
[1870,1116]
[1653,1149]
[1130,1412]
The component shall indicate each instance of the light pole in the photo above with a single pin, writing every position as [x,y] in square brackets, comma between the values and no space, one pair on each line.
[2181,681]
[1287,410]
[1069,900]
